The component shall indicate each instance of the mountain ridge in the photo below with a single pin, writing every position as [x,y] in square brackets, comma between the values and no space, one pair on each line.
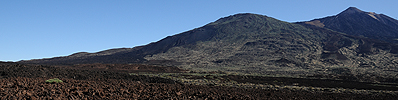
[356,22]
[253,43]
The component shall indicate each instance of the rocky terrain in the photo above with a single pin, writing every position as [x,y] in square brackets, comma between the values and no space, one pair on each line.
[35,88]
[22,82]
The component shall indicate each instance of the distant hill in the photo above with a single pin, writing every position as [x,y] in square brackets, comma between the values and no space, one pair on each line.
[252,43]
[356,22]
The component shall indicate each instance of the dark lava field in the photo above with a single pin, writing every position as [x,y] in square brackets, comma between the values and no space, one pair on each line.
[102,81]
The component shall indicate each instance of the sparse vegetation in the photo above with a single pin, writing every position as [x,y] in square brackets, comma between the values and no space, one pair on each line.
[275,83]
[55,80]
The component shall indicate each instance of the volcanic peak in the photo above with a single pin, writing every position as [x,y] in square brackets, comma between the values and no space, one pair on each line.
[351,10]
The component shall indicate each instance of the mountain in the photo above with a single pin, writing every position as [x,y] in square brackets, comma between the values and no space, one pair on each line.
[252,43]
[119,55]
[229,34]
[356,22]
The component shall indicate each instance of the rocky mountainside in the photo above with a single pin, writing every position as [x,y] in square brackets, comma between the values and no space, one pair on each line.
[356,22]
[252,43]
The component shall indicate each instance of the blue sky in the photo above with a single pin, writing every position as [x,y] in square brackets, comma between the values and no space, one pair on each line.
[34,29]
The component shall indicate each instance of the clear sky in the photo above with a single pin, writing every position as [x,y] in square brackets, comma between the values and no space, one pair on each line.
[33,29]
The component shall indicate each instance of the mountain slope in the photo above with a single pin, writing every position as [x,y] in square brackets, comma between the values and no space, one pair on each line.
[252,43]
[242,39]
[236,28]
[356,22]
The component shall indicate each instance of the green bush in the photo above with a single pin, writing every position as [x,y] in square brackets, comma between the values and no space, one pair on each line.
[56,80]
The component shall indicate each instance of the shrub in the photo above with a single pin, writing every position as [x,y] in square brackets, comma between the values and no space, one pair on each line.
[56,80]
